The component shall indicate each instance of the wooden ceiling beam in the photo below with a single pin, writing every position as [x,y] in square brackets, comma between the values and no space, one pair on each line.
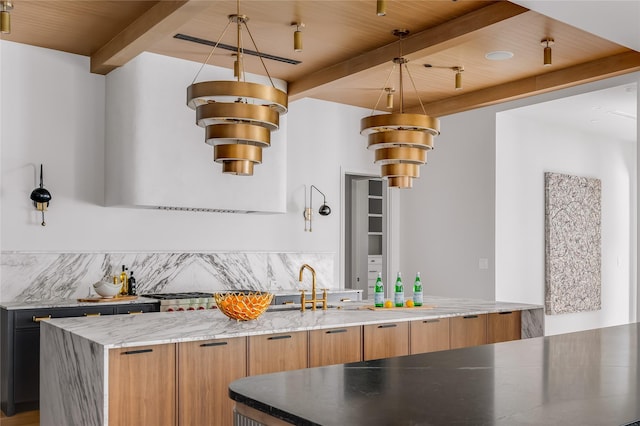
[158,22]
[429,41]
[598,69]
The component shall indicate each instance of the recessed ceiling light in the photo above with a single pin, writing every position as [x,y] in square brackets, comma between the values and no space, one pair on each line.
[499,55]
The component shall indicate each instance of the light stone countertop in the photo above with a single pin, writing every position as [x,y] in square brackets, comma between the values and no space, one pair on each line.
[171,327]
[70,303]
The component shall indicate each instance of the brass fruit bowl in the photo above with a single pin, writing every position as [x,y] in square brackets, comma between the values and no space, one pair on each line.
[243,306]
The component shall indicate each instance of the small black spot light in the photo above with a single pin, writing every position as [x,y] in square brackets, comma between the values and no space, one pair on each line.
[41,197]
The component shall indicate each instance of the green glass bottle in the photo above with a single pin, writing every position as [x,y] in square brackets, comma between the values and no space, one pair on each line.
[398,294]
[378,295]
[417,291]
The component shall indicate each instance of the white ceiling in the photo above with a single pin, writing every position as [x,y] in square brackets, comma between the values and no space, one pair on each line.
[615,20]
[610,113]
[607,112]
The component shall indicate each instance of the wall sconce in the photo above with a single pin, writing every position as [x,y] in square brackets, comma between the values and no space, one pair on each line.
[547,42]
[381,7]
[41,197]
[324,209]
[5,17]
[297,36]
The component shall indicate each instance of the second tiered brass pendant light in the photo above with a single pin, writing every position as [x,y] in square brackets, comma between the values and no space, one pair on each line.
[238,116]
[400,140]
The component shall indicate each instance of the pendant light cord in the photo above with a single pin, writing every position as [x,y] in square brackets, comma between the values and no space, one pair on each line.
[211,52]
[383,89]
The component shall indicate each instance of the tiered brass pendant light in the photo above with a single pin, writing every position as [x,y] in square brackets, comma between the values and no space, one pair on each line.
[400,140]
[238,116]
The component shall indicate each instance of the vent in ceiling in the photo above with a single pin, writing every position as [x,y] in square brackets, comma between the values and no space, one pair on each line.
[235,49]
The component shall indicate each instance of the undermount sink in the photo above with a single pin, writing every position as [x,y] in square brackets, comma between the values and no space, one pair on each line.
[297,306]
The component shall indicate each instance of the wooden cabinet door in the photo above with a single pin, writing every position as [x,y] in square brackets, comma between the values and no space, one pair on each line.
[335,346]
[429,335]
[142,385]
[277,352]
[205,370]
[468,330]
[503,326]
[386,340]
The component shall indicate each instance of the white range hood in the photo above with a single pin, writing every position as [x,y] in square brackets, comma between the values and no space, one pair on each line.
[156,156]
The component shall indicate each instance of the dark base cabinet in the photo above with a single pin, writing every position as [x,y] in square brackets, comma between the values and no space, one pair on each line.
[20,353]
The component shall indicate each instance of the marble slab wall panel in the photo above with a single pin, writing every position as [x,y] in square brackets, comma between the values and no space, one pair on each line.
[72,382]
[46,276]
[572,244]
[531,323]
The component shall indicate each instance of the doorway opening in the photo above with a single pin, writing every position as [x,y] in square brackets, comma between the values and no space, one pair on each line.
[365,232]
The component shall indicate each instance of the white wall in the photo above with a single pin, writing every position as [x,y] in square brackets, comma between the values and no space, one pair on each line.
[53,112]
[525,151]
[448,220]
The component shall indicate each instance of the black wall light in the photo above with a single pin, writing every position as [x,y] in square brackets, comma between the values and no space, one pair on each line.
[324,209]
[41,197]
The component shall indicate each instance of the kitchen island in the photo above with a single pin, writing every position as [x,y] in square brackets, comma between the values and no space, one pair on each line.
[584,378]
[83,359]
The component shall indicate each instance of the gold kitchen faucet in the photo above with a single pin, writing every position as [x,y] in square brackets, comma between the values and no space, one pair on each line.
[313,300]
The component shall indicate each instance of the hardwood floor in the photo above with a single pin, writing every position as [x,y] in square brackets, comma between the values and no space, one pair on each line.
[28,418]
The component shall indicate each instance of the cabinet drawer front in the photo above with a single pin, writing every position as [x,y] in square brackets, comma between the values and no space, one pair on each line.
[205,370]
[386,340]
[503,326]
[335,346]
[429,335]
[375,260]
[277,352]
[468,330]
[30,318]
[142,385]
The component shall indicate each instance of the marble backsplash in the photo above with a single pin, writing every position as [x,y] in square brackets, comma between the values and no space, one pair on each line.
[44,276]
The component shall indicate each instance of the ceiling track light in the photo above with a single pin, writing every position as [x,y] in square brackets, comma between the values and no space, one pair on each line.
[458,78]
[381,7]
[238,116]
[547,43]
[400,140]
[297,36]
[390,91]
[5,17]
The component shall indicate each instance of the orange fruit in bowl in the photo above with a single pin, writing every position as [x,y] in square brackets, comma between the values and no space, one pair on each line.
[388,304]
[409,303]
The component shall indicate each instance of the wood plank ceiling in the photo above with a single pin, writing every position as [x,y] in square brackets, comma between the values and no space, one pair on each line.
[348,49]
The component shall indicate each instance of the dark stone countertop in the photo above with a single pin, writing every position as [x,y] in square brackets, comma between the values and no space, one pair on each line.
[584,378]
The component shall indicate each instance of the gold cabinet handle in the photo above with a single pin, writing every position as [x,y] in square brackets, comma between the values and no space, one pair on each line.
[134,312]
[38,319]
[97,314]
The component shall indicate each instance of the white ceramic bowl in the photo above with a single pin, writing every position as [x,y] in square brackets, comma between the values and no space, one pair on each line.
[106,289]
